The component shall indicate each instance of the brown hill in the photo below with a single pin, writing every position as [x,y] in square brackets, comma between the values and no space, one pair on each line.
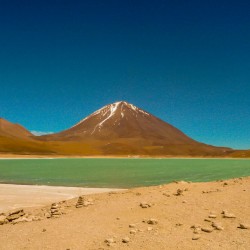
[16,139]
[8,129]
[123,129]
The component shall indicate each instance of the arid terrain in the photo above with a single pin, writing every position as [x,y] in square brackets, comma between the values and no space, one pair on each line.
[179,215]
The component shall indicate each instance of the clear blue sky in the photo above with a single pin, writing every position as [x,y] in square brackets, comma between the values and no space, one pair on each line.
[187,62]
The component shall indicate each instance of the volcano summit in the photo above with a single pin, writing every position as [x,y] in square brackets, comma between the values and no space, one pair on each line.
[123,120]
[121,128]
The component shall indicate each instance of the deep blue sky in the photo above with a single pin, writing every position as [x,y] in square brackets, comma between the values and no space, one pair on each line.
[187,62]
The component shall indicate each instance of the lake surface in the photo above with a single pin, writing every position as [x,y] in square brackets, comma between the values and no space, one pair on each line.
[118,173]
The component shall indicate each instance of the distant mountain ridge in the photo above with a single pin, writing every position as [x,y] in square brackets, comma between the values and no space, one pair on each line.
[117,129]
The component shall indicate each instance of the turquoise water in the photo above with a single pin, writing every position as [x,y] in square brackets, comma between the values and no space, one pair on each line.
[117,173]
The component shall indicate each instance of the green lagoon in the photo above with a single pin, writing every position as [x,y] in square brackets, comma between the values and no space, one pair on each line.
[118,173]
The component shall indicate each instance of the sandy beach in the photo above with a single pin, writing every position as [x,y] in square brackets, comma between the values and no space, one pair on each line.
[179,215]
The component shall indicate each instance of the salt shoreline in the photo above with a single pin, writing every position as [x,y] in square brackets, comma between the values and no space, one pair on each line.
[15,196]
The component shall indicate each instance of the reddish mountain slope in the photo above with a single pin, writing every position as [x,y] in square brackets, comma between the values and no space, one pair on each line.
[15,139]
[123,129]
[9,129]
[123,120]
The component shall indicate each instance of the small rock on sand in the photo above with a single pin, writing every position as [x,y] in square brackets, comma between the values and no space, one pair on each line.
[196,226]
[166,194]
[132,225]
[207,229]
[3,219]
[145,204]
[213,216]
[109,241]
[244,226]
[125,240]
[217,226]
[152,221]
[228,215]
[21,219]
[208,220]
[79,203]
[15,214]
[179,192]
[197,230]
[196,237]
[132,231]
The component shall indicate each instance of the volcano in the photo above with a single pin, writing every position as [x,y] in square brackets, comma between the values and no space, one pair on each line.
[123,120]
[121,128]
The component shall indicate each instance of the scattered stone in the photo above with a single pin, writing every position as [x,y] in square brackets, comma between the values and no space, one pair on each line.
[34,218]
[208,220]
[3,219]
[118,218]
[228,215]
[244,226]
[15,215]
[138,194]
[196,237]
[21,219]
[79,203]
[197,230]
[178,224]
[44,230]
[211,191]
[217,226]
[145,205]
[126,240]
[207,230]
[152,221]
[184,201]
[213,216]
[54,210]
[110,240]
[225,184]
[150,228]
[47,215]
[167,195]
[179,192]
[195,226]
[132,231]
[132,225]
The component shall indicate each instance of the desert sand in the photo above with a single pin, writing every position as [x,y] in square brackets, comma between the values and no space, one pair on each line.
[179,215]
